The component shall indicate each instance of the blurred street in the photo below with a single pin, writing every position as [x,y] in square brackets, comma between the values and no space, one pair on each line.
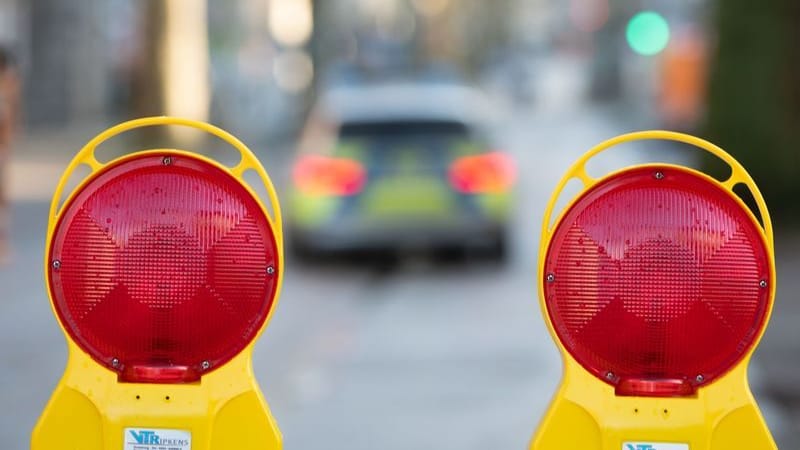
[414,356]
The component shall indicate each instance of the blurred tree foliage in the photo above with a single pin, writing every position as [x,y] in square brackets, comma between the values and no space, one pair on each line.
[754,95]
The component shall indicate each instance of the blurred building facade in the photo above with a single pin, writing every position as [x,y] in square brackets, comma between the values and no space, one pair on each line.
[107,60]
[396,36]
[63,51]
[81,59]
[90,59]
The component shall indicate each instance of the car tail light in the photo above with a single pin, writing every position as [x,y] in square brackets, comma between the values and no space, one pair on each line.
[657,282]
[485,173]
[323,175]
[163,268]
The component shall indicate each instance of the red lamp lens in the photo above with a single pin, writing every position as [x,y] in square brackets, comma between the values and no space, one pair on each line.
[160,271]
[657,281]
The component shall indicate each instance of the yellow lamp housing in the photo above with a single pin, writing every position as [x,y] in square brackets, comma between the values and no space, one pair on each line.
[656,282]
[163,268]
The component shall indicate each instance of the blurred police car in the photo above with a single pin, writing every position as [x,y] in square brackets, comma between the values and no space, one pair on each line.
[399,167]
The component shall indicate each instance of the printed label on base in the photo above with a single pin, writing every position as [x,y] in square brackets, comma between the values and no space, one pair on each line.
[653,446]
[157,439]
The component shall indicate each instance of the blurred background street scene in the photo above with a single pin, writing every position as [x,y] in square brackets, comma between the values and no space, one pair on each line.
[414,144]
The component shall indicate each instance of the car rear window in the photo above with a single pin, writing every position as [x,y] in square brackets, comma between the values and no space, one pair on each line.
[421,137]
[403,128]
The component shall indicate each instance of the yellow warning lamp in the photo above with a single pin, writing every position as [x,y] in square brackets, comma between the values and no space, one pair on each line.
[656,282]
[163,267]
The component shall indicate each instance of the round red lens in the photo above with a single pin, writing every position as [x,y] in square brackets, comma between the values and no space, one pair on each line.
[657,279]
[162,266]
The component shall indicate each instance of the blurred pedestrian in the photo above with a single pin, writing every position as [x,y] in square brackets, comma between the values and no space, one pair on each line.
[9,112]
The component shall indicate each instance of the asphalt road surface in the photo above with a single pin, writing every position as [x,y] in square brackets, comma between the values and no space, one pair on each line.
[420,355]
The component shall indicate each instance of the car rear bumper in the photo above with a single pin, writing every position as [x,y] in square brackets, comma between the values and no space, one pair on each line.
[407,237]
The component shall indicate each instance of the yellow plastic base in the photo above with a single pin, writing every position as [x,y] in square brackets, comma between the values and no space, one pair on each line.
[90,410]
[586,415]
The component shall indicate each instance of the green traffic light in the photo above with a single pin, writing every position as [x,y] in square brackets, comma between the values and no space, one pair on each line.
[648,33]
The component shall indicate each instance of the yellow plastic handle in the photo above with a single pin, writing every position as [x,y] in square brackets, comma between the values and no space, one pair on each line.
[86,156]
[738,173]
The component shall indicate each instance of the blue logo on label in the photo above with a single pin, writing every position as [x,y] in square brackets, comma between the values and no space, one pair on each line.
[640,447]
[150,437]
